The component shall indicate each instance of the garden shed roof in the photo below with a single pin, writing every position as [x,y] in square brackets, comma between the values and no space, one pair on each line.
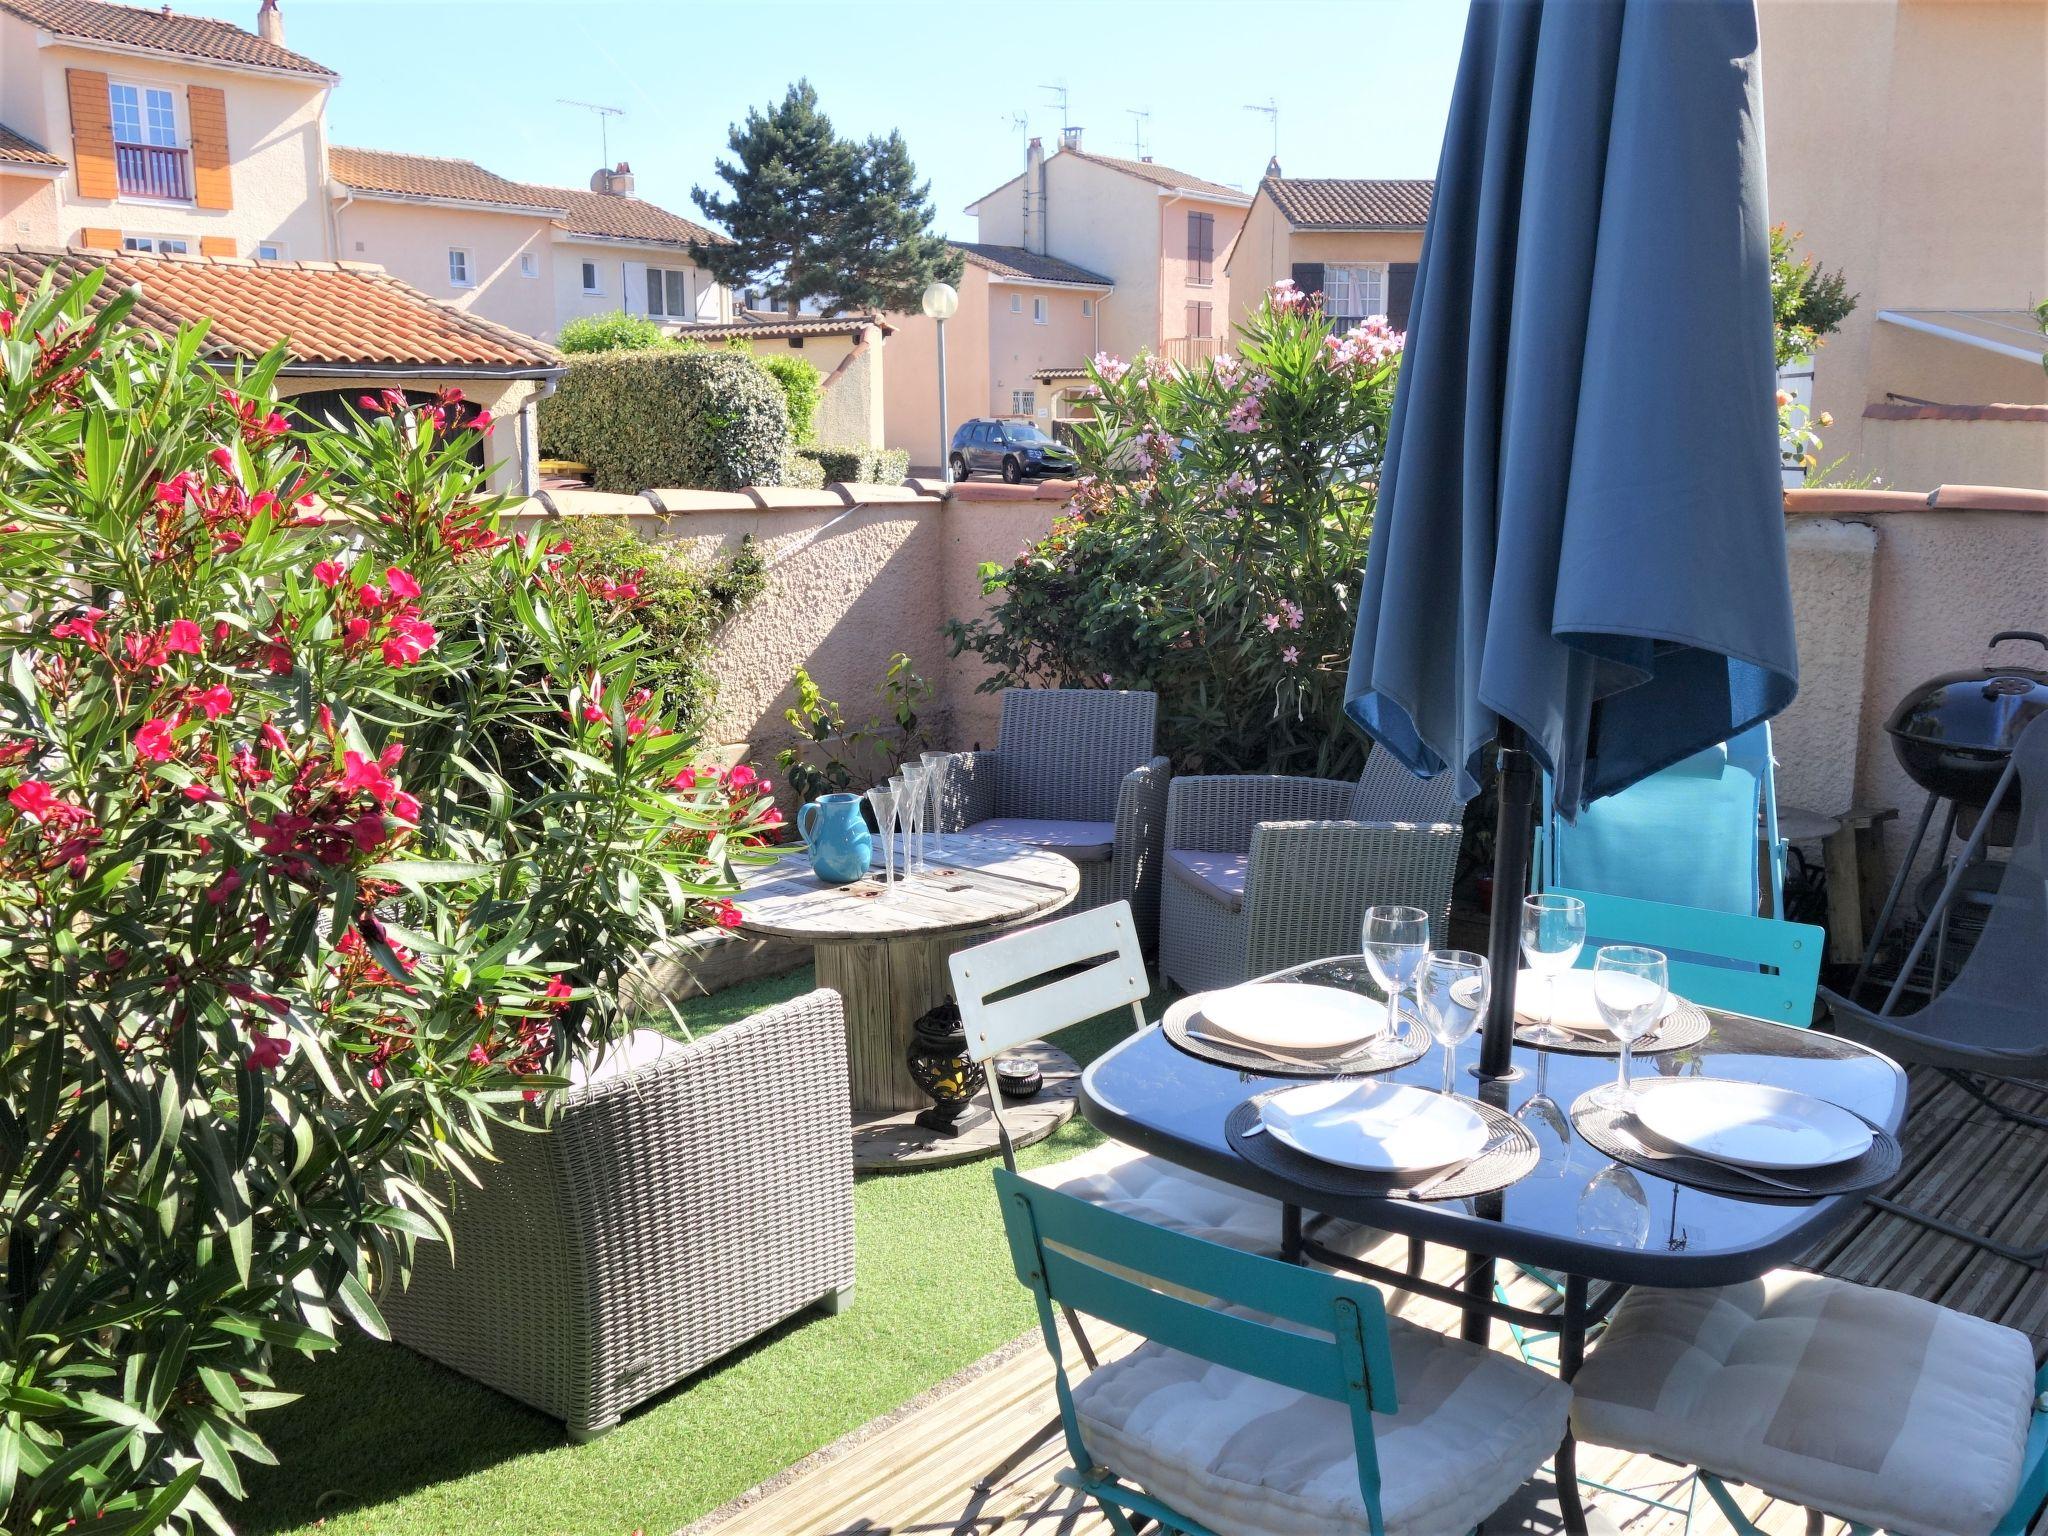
[751,327]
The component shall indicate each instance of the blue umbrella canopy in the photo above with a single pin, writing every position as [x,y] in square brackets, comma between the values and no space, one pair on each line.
[1580,535]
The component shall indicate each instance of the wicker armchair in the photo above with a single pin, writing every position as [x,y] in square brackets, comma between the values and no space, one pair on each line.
[1263,872]
[1073,771]
[685,1199]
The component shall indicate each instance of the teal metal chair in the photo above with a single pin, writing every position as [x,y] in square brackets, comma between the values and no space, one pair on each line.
[1764,967]
[1474,1427]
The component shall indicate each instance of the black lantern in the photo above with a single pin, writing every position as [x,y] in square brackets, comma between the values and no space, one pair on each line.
[940,1065]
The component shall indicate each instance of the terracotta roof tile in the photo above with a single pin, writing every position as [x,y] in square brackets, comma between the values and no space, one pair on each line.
[329,315]
[1013,261]
[774,327]
[615,217]
[159,31]
[1337,203]
[430,176]
[1164,176]
[19,149]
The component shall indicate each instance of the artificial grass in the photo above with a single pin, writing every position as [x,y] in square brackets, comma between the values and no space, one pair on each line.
[384,1443]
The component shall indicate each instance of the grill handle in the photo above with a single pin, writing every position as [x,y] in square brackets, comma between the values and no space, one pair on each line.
[2020,634]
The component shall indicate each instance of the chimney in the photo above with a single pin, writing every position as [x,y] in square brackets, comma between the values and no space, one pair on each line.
[269,23]
[1273,166]
[616,182]
[1070,138]
[1034,196]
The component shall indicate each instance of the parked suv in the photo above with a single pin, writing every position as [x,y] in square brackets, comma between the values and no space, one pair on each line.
[1016,450]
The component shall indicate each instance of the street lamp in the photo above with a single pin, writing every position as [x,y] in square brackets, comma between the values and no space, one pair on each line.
[941,302]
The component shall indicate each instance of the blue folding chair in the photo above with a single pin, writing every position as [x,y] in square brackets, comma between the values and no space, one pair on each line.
[1476,1427]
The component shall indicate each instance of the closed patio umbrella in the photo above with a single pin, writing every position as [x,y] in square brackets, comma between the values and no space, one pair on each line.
[1579,550]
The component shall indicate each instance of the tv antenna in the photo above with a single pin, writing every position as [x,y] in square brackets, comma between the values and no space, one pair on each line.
[1020,124]
[1271,112]
[1059,93]
[1138,120]
[603,112]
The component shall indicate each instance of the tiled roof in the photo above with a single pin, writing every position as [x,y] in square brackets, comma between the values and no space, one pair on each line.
[330,315]
[1013,261]
[19,150]
[753,326]
[624,218]
[1059,375]
[430,176]
[1334,203]
[160,31]
[1165,176]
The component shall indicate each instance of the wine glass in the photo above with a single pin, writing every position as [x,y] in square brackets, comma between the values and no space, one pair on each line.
[1544,1116]
[1451,989]
[1395,940]
[883,798]
[1629,985]
[913,817]
[1613,1208]
[938,768]
[1553,933]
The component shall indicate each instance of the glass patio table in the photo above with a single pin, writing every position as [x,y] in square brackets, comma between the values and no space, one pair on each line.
[1152,1094]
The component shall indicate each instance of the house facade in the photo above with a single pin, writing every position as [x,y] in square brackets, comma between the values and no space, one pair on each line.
[1357,242]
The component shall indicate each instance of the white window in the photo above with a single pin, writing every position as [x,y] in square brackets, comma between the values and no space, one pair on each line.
[1023,402]
[668,294]
[143,115]
[590,282]
[1087,308]
[1040,314]
[458,267]
[271,250]
[163,245]
[1016,303]
[1354,293]
[529,264]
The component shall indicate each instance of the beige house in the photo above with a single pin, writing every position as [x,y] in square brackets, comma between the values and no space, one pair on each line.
[1157,234]
[1906,141]
[847,350]
[1356,242]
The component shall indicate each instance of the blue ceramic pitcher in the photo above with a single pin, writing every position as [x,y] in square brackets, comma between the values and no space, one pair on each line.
[833,828]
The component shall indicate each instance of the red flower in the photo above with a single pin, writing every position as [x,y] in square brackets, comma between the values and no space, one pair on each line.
[226,886]
[34,799]
[329,573]
[728,915]
[184,636]
[741,777]
[267,1052]
[216,701]
[399,584]
[558,993]
[274,738]
[687,779]
[81,628]
[369,596]
[153,743]
[201,793]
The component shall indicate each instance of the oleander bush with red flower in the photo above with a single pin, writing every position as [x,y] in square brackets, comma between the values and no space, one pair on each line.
[331,819]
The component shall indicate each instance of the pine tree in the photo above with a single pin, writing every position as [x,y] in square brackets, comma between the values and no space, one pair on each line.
[816,217]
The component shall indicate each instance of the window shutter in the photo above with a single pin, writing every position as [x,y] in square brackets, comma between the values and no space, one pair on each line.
[100,239]
[1308,276]
[217,245]
[1400,293]
[92,134]
[212,184]
[636,288]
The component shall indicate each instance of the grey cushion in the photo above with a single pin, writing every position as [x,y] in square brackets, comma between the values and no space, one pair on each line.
[1218,876]
[1085,842]
[1250,1458]
[1860,1403]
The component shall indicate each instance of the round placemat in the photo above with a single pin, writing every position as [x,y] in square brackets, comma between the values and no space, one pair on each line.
[1616,1133]
[1685,1027]
[1383,1053]
[1510,1152]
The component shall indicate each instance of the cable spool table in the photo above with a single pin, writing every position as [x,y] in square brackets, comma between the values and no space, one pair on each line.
[884,952]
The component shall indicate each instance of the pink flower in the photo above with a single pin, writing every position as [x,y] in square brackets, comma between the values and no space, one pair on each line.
[329,573]
[741,777]
[33,798]
[1272,623]
[202,793]
[409,640]
[80,628]
[184,636]
[216,701]
[558,994]
[267,1052]
[226,886]
[153,742]
[1293,613]
[274,738]
[1110,368]
[359,772]
[1291,655]
[729,915]
[687,779]
[399,584]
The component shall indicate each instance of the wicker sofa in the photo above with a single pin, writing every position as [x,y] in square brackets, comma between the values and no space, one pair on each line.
[685,1199]
[1263,872]
[1074,772]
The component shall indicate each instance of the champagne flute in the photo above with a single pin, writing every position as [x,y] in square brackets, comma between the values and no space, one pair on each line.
[883,798]
[1452,990]
[938,769]
[913,817]
[1553,933]
[1629,986]
[902,820]
[1395,941]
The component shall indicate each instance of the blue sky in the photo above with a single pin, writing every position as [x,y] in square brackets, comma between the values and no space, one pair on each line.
[1362,86]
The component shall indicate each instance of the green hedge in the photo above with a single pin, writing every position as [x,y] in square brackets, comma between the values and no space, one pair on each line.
[613,331]
[823,463]
[668,417]
[802,388]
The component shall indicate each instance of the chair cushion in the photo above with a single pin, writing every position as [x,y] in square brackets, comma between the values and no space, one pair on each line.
[1863,1404]
[641,1048]
[1085,842]
[1118,1177]
[1218,876]
[1255,1459]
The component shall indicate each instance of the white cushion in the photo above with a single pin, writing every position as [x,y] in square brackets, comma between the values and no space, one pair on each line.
[1218,876]
[1085,842]
[641,1048]
[1249,1458]
[1860,1403]
[1118,1177]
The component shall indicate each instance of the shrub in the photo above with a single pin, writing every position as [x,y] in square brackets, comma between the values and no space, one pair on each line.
[852,464]
[1214,547]
[284,930]
[615,331]
[833,758]
[712,420]
[802,388]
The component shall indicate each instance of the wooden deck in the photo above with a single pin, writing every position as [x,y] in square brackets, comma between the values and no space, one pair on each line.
[972,1457]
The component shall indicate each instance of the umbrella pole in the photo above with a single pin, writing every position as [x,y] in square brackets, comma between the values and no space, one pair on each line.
[1513,844]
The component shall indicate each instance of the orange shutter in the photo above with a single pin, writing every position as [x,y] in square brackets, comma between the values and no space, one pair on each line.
[100,239]
[92,134]
[217,245]
[212,187]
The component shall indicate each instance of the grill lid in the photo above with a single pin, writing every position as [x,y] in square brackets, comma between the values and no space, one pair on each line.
[1982,711]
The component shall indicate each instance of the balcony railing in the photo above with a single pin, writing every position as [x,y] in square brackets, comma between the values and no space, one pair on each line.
[153,170]
[1189,349]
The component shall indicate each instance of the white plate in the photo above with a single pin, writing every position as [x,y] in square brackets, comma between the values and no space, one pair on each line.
[1292,1016]
[1571,1001]
[1375,1127]
[1751,1124]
